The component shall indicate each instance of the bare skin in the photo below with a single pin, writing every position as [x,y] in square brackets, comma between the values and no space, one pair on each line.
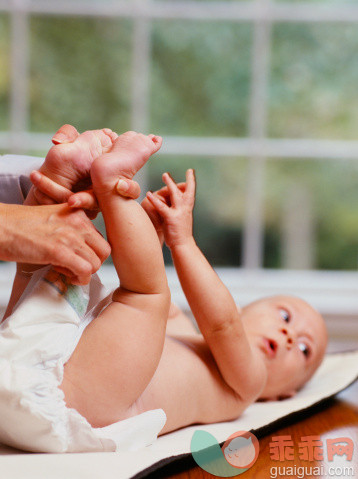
[67,165]
[52,234]
[192,377]
[124,365]
[67,168]
[197,378]
[58,234]
[136,319]
[286,337]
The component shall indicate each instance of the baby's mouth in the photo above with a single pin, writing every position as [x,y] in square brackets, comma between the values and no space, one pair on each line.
[270,347]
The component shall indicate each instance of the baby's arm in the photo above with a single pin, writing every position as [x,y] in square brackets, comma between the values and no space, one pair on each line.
[178,322]
[211,303]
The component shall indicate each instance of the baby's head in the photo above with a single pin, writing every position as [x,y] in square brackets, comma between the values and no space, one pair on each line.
[290,336]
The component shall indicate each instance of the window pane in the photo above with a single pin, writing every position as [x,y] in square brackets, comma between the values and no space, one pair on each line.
[4,72]
[80,73]
[311,214]
[219,206]
[314,81]
[200,78]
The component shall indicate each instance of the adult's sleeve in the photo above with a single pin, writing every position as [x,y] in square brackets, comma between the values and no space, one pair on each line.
[14,177]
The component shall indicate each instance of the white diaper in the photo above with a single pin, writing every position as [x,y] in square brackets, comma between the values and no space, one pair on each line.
[35,343]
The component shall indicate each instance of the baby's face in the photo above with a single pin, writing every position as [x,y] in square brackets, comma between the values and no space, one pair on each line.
[291,338]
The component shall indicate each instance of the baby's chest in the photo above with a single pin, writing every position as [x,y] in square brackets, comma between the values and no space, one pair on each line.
[200,379]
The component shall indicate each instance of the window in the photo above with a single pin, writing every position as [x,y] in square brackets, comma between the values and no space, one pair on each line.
[258,96]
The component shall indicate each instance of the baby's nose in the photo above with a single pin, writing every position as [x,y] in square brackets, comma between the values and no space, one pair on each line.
[289,337]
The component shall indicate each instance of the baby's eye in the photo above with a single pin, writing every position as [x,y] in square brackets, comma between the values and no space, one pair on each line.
[304,348]
[285,315]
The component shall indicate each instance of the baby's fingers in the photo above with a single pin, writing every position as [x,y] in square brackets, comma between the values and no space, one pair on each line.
[164,192]
[174,192]
[190,185]
[160,206]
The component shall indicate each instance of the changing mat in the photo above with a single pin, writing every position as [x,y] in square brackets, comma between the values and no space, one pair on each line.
[336,373]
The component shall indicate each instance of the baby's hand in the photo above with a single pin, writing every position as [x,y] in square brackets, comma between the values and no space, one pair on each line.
[174,205]
[154,216]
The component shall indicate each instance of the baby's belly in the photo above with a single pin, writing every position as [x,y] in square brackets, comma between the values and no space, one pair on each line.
[188,386]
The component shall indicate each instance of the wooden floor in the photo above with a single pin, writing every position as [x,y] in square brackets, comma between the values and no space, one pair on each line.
[337,418]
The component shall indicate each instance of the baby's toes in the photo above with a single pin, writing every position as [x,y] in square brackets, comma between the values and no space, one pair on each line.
[95,142]
[112,134]
[106,137]
[156,142]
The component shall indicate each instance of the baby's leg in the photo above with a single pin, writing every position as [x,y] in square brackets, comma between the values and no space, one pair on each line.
[120,350]
[69,164]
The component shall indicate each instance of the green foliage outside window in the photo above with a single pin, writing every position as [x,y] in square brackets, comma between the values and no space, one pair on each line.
[200,80]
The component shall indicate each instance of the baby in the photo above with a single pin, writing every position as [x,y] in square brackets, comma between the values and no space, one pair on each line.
[131,359]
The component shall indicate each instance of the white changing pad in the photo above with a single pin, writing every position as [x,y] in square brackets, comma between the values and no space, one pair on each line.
[337,372]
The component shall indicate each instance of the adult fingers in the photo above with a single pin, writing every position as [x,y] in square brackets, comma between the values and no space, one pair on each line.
[79,248]
[50,188]
[89,245]
[87,201]
[71,278]
[82,226]
[128,188]
[64,271]
[80,270]
[66,134]
[83,199]
[96,242]
[41,198]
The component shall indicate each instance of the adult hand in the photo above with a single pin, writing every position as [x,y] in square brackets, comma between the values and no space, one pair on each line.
[53,234]
[68,165]
[47,191]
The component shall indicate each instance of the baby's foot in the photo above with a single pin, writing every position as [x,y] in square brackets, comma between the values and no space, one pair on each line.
[128,154]
[70,163]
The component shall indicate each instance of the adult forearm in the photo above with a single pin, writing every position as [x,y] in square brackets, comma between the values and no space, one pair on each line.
[6,234]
